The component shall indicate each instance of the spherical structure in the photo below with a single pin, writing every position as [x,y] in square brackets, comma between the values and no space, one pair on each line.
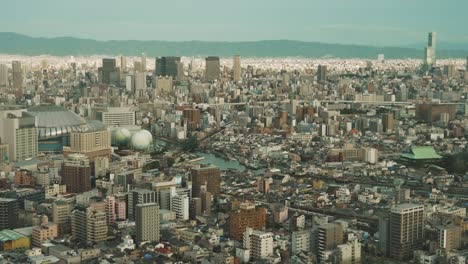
[140,141]
[148,134]
[121,136]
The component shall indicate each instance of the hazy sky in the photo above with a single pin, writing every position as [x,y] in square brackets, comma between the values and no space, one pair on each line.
[376,22]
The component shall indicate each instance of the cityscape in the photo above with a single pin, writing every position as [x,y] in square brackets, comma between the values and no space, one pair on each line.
[193,156]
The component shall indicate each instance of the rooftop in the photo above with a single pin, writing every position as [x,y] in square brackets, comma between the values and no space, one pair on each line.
[421,153]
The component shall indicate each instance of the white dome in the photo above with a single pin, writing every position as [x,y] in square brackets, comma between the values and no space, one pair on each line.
[121,136]
[141,141]
[148,134]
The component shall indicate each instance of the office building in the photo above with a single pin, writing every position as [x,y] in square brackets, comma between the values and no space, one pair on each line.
[212,68]
[140,84]
[117,116]
[143,62]
[20,133]
[61,212]
[195,207]
[450,71]
[349,253]
[167,66]
[406,230]
[432,112]
[259,243]
[76,173]
[322,73]
[387,121]
[163,85]
[147,222]
[8,213]
[430,51]
[236,68]
[247,216]
[180,72]
[123,63]
[329,236]
[450,237]
[109,72]
[92,144]
[4,75]
[206,176]
[180,205]
[89,224]
[44,231]
[17,78]
[139,196]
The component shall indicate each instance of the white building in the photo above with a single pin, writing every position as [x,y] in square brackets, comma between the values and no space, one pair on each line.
[301,241]
[259,243]
[349,253]
[180,205]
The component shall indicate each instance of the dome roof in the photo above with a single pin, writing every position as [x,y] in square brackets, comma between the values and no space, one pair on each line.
[55,116]
[56,121]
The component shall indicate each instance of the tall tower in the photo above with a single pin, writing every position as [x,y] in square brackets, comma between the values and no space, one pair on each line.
[322,73]
[212,71]
[406,230]
[147,222]
[3,75]
[329,236]
[17,78]
[236,68]
[430,52]
[143,62]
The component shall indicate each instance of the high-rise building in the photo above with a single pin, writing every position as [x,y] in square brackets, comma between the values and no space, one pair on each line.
[180,205]
[259,243]
[20,133]
[3,75]
[236,68]
[349,253]
[89,224]
[329,236]
[180,72]
[140,84]
[139,196]
[206,176]
[212,68]
[322,73]
[450,237]
[247,216]
[430,51]
[167,66]
[406,230]
[450,71]
[17,78]
[387,121]
[109,72]
[143,62]
[92,144]
[8,213]
[163,85]
[147,222]
[61,211]
[117,116]
[76,173]
[123,63]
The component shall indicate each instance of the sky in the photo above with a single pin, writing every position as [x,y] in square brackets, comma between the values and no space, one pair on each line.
[370,22]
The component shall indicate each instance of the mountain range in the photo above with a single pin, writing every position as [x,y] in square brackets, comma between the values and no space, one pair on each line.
[13,43]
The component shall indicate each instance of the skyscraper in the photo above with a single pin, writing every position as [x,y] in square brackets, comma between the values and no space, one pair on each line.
[123,63]
[8,213]
[143,62]
[406,230]
[387,120]
[430,51]
[167,66]
[76,173]
[3,75]
[147,222]
[212,70]
[89,224]
[139,196]
[180,205]
[322,73]
[206,176]
[259,243]
[107,70]
[236,68]
[17,78]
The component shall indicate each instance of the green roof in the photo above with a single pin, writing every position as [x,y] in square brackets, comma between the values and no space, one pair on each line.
[421,153]
[9,235]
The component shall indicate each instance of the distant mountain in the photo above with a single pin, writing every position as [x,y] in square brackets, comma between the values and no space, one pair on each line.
[12,43]
[460,46]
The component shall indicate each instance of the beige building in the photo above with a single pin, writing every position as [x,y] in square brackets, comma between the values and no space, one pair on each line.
[236,68]
[89,224]
[117,116]
[44,231]
[406,230]
[147,222]
[20,133]
[163,85]
[349,253]
[259,243]
[212,68]
[61,212]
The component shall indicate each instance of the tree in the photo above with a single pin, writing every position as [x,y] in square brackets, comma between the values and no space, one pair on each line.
[190,144]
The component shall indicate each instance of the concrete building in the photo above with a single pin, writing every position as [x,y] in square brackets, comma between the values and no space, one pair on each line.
[147,222]
[329,236]
[4,75]
[450,237]
[17,78]
[44,231]
[406,230]
[206,176]
[180,205]
[236,68]
[430,51]
[349,253]
[167,66]
[76,173]
[89,224]
[117,116]
[322,73]
[212,68]
[20,133]
[163,85]
[61,212]
[139,196]
[387,121]
[259,243]
[108,70]
[8,213]
[301,241]
[247,216]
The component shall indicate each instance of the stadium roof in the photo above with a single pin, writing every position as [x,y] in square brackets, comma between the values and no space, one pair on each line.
[421,153]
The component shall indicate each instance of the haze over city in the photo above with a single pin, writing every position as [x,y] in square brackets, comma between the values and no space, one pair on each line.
[206,132]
